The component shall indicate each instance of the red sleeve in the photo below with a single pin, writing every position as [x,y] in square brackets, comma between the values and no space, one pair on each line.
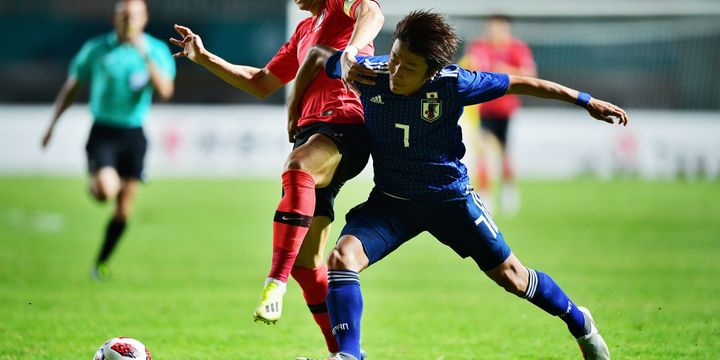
[347,6]
[351,5]
[480,56]
[285,64]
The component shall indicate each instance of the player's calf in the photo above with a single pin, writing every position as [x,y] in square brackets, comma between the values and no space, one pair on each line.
[511,275]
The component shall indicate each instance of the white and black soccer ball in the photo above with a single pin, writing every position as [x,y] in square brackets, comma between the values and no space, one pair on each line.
[122,348]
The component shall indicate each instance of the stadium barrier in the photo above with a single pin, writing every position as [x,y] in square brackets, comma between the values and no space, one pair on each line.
[250,141]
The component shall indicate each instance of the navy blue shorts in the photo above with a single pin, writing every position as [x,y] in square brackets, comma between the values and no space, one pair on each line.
[120,148]
[353,144]
[383,223]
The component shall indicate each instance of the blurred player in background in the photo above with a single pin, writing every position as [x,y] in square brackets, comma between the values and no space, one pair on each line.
[123,69]
[412,108]
[330,145]
[498,51]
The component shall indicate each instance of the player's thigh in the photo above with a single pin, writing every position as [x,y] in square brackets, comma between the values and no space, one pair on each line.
[132,152]
[352,145]
[467,227]
[313,246]
[319,156]
[102,155]
[379,225]
[102,147]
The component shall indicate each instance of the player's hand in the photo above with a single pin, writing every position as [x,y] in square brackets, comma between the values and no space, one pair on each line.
[140,44]
[292,121]
[352,71]
[191,43]
[46,138]
[605,111]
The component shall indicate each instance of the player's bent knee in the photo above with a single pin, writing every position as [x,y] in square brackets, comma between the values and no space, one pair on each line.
[100,193]
[104,186]
[294,164]
[343,260]
[336,260]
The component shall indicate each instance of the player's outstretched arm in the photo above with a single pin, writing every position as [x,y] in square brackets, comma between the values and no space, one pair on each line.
[258,82]
[65,98]
[368,23]
[314,61]
[599,109]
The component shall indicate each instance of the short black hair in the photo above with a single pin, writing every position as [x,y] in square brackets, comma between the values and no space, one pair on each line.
[430,36]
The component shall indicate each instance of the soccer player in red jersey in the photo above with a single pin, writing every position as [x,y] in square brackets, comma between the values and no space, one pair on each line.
[329,138]
[499,51]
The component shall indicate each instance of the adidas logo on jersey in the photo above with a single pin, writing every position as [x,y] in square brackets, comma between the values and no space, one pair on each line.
[377,99]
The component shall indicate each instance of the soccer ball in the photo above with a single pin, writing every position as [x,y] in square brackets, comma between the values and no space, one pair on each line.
[122,348]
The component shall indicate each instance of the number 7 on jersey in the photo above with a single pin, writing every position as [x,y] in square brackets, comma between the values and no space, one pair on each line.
[406,133]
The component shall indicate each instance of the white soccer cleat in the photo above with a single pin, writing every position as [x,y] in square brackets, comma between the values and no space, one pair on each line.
[592,345]
[338,356]
[269,308]
[342,356]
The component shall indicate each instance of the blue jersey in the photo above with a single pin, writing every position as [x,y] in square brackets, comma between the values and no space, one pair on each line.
[415,140]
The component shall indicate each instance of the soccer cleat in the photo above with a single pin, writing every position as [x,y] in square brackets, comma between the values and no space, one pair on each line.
[343,356]
[337,356]
[101,271]
[269,308]
[592,345]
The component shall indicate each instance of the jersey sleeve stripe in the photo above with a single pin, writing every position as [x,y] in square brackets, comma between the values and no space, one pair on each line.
[349,7]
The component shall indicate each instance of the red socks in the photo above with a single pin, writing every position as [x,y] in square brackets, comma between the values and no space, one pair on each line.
[507,171]
[483,178]
[292,219]
[314,283]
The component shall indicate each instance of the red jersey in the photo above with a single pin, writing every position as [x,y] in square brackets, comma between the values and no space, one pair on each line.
[488,57]
[326,100]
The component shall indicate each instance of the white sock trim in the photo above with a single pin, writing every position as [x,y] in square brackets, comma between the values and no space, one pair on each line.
[280,284]
[532,284]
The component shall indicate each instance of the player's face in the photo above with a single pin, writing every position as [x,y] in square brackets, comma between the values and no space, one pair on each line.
[498,30]
[408,71]
[130,19]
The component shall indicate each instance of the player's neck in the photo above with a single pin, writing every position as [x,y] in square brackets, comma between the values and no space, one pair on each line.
[317,7]
[500,40]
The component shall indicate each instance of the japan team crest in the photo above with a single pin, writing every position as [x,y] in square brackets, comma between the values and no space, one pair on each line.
[430,107]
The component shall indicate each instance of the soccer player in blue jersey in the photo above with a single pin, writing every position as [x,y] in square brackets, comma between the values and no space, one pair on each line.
[123,69]
[412,101]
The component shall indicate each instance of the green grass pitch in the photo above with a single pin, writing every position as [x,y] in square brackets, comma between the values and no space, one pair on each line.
[644,257]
